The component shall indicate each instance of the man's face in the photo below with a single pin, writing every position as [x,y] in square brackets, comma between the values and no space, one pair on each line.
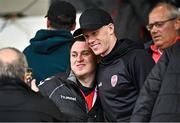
[100,40]
[163,29]
[83,60]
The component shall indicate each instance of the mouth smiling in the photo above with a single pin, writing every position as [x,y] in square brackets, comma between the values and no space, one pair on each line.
[94,46]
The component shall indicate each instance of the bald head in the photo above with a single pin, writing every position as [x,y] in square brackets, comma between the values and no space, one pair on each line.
[7,56]
[166,9]
[12,63]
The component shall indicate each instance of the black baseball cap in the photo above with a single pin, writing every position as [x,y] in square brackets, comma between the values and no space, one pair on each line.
[94,18]
[61,12]
[77,36]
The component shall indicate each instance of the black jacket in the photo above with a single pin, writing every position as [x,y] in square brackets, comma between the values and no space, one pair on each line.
[159,98]
[65,92]
[20,104]
[120,76]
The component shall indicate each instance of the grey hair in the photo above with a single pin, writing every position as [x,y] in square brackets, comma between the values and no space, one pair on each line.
[173,11]
[16,68]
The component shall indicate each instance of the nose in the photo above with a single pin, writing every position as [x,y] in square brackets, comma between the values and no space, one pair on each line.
[90,40]
[153,30]
[80,58]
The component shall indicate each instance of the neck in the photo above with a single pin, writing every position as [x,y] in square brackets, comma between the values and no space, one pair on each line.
[87,80]
[112,42]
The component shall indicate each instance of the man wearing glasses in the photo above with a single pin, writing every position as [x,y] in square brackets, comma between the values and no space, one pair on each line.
[159,98]
[164,25]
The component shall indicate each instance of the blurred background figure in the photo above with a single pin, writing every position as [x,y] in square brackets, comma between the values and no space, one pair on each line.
[18,101]
[48,52]
[164,26]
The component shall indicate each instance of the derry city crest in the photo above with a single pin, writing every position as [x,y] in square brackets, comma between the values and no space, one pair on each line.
[114,80]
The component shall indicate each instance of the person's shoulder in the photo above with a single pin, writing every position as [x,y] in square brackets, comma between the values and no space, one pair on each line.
[47,86]
[174,50]
[48,80]
[176,45]
[51,82]
[57,78]
[27,49]
[138,55]
[142,54]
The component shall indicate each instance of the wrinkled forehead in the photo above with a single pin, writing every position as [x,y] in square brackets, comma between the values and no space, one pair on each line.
[159,13]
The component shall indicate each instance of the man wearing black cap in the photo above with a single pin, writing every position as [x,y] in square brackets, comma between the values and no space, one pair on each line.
[48,52]
[122,69]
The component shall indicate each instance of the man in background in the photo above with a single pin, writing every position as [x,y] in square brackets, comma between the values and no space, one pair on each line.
[164,26]
[159,98]
[48,52]
[18,102]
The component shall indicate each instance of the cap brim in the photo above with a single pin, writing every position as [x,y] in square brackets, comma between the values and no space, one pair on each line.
[77,32]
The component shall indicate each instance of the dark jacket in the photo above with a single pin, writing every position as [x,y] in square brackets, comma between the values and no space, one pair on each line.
[159,98]
[20,104]
[120,76]
[65,92]
[48,53]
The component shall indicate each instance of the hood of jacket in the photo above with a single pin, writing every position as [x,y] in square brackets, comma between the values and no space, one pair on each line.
[121,48]
[46,41]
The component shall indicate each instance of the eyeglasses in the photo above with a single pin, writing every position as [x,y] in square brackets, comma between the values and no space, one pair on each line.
[158,24]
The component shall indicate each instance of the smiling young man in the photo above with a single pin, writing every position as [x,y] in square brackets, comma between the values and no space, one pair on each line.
[75,92]
[123,67]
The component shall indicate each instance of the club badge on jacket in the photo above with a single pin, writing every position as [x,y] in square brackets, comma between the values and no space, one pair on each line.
[114,80]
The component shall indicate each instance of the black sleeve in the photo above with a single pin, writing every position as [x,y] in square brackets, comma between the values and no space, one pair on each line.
[148,94]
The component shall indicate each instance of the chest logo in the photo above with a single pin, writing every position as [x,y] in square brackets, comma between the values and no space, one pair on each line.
[114,80]
[100,84]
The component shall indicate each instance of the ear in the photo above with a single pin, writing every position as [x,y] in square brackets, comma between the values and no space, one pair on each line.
[111,28]
[73,26]
[177,24]
[48,23]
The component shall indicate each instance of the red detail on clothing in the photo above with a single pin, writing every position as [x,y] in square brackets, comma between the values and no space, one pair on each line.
[178,38]
[155,55]
[89,99]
